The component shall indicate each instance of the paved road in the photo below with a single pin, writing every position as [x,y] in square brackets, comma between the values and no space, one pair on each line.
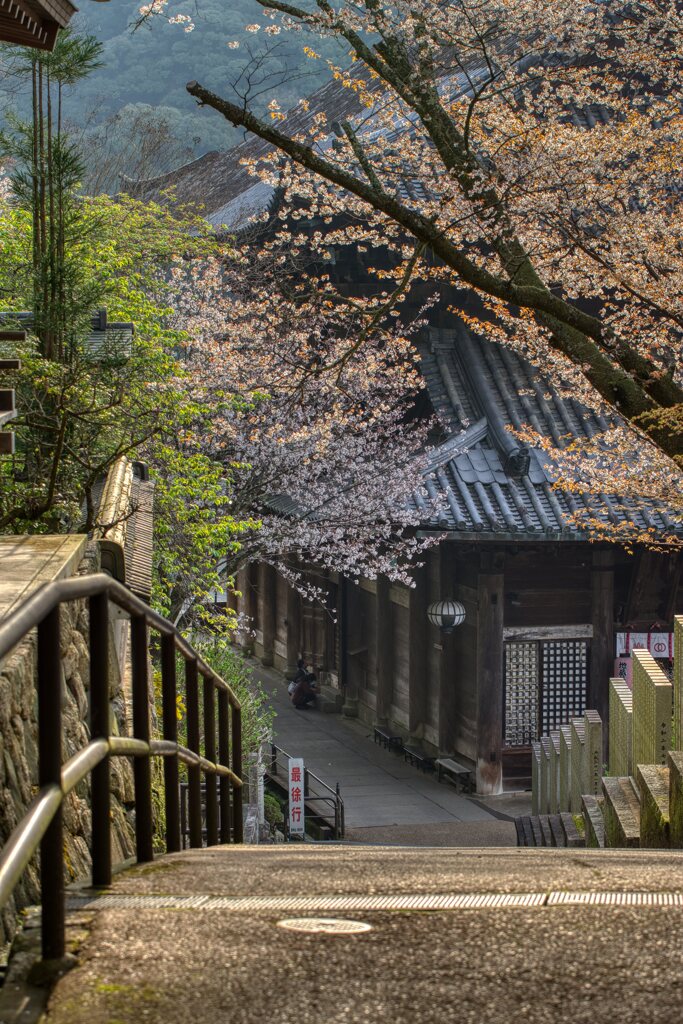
[379,789]
[541,964]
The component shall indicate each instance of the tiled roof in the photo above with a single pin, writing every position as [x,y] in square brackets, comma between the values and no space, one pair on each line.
[486,480]
[222,186]
[128,556]
[139,539]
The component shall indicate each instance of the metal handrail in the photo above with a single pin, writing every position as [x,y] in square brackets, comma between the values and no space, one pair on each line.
[335,799]
[42,824]
[33,610]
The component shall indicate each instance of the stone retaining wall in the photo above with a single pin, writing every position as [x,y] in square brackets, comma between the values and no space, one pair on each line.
[19,752]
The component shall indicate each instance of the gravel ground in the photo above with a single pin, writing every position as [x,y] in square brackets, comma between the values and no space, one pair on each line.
[496,965]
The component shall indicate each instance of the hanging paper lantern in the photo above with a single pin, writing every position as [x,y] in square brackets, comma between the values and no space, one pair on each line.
[446,615]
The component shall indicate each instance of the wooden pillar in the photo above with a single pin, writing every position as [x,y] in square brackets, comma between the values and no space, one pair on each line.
[267,592]
[447,671]
[331,625]
[347,594]
[602,645]
[248,607]
[293,630]
[418,665]
[490,674]
[383,635]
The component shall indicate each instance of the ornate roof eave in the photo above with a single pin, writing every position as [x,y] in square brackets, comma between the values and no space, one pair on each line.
[34,23]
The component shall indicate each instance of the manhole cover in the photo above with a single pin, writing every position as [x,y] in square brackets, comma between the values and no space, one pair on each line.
[330,925]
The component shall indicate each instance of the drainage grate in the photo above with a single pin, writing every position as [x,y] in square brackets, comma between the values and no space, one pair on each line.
[449,901]
[616,899]
[319,904]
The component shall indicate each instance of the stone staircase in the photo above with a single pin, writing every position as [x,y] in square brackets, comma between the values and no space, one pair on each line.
[641,812]
[639,801]
[548,830]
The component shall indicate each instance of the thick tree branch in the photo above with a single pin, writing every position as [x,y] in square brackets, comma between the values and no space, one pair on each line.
[574,332]
[422,228]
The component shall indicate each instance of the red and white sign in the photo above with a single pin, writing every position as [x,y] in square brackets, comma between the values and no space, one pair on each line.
[296,796]
[660,645]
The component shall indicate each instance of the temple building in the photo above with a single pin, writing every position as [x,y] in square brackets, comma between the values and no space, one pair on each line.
[543,605]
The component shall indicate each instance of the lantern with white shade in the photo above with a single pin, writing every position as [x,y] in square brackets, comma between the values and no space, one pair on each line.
[446,615]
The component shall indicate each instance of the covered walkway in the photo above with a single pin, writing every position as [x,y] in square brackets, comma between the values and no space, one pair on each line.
[385,799]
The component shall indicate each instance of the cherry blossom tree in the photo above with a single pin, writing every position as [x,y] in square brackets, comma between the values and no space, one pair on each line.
[526,151]
[526,154]
[317,457]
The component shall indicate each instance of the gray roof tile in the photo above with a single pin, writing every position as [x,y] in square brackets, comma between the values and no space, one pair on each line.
[486,480]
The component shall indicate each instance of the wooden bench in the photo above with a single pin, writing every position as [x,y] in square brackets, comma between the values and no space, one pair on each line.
[387,739]
[461,775]
[418,758]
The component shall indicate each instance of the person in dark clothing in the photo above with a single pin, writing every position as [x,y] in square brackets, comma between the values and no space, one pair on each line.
[304,692]
[300,674]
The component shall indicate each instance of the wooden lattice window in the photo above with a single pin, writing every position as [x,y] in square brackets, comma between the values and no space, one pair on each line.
[521,693]
[546,683]
[564,682]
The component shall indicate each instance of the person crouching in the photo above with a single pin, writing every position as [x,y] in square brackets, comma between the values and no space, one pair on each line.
[304,692]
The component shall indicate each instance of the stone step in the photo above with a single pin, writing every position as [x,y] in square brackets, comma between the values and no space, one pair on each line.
[546,831]
[523,829]
[653,785]
[674,762]
[594,821]
[557,831]
[621,812]
[571,833]
[536,831]
[540,830]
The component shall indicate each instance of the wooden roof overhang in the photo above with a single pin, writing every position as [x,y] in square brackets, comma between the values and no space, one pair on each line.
[34,22]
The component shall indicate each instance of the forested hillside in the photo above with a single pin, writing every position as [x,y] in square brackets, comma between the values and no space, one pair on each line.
[135,110]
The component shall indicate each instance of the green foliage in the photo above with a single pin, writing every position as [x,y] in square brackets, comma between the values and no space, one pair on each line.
[273,810]
[77,414]
[194,531]
[257,712]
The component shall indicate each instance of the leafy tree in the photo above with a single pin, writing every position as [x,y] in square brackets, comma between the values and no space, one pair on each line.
[63,255]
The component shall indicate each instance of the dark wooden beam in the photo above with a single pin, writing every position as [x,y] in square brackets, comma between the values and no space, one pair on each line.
[447,661]
[267,595]
[248,606]
[602,645]
[7,400]
[6,442]
[418,634]
[490,586]
[293,619]
[384,640]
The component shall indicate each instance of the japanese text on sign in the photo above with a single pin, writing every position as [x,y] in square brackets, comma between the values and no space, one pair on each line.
[296,796]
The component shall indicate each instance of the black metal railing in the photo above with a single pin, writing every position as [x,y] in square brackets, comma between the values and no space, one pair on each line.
[42,824]
[326,806]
